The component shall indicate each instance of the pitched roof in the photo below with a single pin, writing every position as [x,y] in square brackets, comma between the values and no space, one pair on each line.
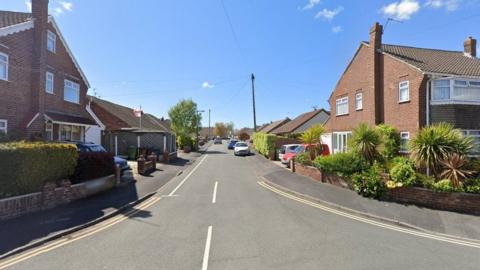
[9,18]
[149,122]
[297,122]
[274,125]
[435,60]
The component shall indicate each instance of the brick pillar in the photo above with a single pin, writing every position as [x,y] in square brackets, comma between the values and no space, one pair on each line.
[153,159]
[141,165]
[292,164]
[67,191]
[48,196]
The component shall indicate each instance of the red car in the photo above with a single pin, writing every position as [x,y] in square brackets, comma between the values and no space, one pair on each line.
[302,149]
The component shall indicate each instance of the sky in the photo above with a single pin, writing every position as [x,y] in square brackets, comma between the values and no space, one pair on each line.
[152,53]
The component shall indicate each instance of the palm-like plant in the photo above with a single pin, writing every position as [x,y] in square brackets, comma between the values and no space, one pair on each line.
[434,143]
[365,141]
[313,137]
[454,169]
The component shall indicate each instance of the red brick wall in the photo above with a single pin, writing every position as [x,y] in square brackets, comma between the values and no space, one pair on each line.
[308,171]
[15,94]
[408,116]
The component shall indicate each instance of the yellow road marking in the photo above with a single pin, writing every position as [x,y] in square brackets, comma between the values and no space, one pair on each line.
[80,235]
[442,238]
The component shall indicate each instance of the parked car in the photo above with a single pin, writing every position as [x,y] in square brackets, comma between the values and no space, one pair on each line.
[231,144]
[302,149]
[287,148]
[217,141]
[241,149]
[91,147]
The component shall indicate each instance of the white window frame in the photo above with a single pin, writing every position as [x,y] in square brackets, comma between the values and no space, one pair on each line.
[452,98]
[359,101]
[6,66]
[342,101]
[48,75]
[340,146]
[404,135]
[77,89]
[400,88]
[4,129]
[51,37]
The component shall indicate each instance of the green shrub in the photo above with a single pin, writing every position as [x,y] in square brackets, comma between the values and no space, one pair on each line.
[369,183]
[390,141]
[365,142]
[26,167]
[342,164]
[304,159]
[403,172]
[264,143]
[472,186]
[185,140]
[445,185]
[425,180]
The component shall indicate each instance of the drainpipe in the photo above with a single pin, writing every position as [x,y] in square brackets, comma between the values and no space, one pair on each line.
[429,87]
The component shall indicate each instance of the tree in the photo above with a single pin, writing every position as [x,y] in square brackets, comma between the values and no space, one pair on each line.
[220,130]
[185,120]
[365,141]
[230,128]
[243,136]
[435,143]
[313,137]
[390,141]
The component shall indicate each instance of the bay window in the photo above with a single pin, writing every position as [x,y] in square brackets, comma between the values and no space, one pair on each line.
[342,106]
[463,91]
[340,141]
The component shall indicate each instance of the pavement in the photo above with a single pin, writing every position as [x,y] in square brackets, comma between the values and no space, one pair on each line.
[219,214]
[33,229]
[443,222]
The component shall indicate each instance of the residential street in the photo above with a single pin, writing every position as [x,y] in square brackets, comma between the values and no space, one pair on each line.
[216,212]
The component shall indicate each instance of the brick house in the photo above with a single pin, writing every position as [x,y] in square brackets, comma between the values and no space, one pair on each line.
[303,122]
[406,87]
[42,88]
[121,129]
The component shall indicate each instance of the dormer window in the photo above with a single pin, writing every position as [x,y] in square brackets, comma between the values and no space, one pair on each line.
[51,41]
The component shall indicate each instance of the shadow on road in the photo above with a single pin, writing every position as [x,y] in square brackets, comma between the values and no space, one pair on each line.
[213,152]
[23,230]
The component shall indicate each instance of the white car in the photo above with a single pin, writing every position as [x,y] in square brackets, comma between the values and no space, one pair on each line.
[285,149]
[241,149]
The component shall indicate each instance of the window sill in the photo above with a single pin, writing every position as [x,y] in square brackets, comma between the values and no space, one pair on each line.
[72,102]
[359,110]
[340,115]
[403,102]
[52,93]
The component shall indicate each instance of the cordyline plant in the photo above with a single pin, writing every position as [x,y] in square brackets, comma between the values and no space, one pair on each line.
[454,169]
[365,141]
[313,138]
[435,143]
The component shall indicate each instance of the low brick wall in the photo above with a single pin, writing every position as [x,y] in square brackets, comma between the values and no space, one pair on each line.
[318,175]
[308,171]
[449,201]
[52,196]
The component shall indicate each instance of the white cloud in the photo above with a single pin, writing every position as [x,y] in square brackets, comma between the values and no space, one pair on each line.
[402,10]
[29,5]
[68,6]
[311,4]
[57,11]
[327,14]
[337,29]
[449,5]
[207,85]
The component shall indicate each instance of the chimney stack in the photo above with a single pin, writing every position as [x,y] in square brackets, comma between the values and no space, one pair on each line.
[376,36]
[40,10]
[470,47]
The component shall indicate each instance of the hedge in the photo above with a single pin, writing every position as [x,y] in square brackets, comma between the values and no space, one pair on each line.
[93,165]
[264,143]
[25,167]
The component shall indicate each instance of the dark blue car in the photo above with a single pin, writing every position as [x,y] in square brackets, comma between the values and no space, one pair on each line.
[231,144]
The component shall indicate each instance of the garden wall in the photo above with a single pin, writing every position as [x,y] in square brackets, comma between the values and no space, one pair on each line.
[449,201]
[52,196]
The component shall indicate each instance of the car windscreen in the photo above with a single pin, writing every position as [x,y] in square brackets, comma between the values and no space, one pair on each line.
[96,148]
[240,145]
[292,148]
[299,149]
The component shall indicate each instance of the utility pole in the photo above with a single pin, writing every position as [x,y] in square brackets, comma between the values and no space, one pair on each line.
[209,125]
[253,99]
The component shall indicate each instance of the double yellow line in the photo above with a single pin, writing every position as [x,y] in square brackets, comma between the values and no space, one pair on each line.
[79,235]
[443,238]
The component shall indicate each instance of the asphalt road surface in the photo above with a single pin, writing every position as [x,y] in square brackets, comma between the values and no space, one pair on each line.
[217,216]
